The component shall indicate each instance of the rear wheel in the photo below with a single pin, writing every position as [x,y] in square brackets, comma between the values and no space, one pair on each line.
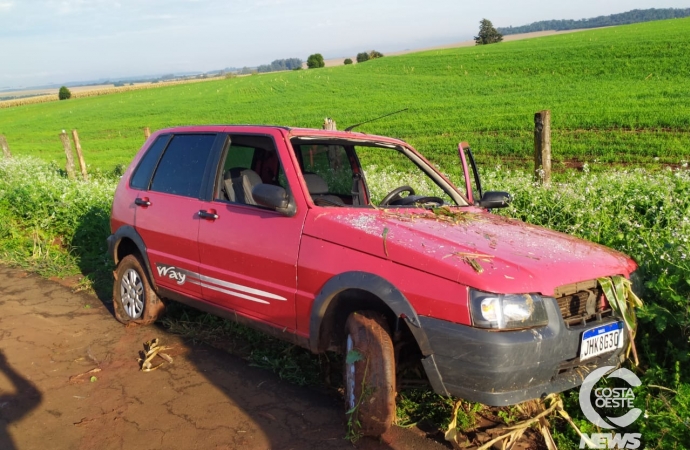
[369,374]
[134,300]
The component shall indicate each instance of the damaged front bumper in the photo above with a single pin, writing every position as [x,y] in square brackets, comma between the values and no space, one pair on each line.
[501,368]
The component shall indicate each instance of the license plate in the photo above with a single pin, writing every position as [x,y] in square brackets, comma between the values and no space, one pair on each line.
[601,340]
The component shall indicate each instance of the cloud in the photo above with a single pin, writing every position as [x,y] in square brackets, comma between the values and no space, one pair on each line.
[6,6]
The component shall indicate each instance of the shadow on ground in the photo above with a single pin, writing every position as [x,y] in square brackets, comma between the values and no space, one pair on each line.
[15,402]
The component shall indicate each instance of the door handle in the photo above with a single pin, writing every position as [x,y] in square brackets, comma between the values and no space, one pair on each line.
[208,215]
[142,201]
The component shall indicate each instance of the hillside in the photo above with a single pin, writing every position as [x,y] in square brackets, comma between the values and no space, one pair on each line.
[616,94]
[628,17]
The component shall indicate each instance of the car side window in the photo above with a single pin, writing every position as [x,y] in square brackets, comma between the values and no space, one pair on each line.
[239,156]
[182,166]
[142,174]
[250,160]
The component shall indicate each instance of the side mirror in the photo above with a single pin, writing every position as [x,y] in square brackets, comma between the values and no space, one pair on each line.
[274,197]
[495,199]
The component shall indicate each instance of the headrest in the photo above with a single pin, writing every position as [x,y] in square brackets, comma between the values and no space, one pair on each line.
[315,184]
[252,177]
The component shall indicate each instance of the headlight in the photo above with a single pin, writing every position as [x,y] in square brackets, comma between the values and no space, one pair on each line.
[507,311]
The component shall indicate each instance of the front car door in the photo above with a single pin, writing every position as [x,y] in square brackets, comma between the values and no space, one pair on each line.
[248,253]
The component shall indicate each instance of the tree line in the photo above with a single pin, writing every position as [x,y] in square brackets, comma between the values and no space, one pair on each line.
[634,16]
[280,64]
[316,60]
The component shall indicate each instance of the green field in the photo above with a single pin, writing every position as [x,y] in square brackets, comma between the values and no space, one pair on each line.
[617,95]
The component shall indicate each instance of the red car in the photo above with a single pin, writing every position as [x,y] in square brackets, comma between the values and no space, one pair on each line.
[356,243]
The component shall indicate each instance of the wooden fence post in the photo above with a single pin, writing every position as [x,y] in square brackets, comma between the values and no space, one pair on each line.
[147,133]
[68,154]
[80,155]
[333,153]
[5,147]
[542,147]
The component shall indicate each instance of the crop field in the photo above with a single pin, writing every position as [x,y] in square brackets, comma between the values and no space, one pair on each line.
[618,94]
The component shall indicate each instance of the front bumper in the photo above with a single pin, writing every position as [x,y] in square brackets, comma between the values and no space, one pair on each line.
[501,368]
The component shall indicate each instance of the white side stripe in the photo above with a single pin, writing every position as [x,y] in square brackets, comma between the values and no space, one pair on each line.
[182,275]
[225,291]
[239,287]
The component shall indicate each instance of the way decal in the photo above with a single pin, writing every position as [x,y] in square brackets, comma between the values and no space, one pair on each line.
[181,276]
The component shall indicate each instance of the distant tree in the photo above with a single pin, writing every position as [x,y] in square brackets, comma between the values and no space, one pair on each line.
[347,61]
[293,63]
[361,57]
[280,64]
[374,54]
[315,61]
[64,93]
[487,33]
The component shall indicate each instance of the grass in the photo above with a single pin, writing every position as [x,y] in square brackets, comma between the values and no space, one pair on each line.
[58,227]
[618,94]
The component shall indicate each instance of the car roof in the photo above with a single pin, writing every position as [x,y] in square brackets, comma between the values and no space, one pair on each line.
[312,133]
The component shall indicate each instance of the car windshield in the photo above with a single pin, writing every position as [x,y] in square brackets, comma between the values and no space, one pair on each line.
[344,174]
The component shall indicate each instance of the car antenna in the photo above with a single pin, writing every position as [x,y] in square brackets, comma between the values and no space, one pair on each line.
[371,120]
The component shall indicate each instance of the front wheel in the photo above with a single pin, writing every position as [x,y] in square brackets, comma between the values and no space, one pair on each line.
[134,300]
[369,374]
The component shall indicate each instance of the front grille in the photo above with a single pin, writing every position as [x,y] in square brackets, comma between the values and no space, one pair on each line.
[577,366]
[582,302]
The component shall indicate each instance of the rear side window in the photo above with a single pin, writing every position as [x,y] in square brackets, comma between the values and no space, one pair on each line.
[143,172]
[181,169]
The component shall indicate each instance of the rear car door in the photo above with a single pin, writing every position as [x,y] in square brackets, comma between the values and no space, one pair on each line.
[167,210]
[248,253]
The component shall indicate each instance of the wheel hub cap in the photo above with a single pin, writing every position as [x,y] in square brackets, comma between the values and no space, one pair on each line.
[132,294]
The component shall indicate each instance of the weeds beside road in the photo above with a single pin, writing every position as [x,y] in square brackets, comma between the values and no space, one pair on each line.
[58,227]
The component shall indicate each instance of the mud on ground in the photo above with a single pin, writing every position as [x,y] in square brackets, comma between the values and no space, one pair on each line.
[51,339]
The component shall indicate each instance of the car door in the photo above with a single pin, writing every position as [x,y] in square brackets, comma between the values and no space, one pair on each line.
[167,212]
[248,254]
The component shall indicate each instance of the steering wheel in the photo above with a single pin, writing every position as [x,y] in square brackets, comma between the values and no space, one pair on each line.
[422,200]
[395,195]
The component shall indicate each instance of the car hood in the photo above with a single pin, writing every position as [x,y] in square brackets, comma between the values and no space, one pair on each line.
[469,245]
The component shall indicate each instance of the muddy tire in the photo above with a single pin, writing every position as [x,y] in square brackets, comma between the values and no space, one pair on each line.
[134,300]
[370,380]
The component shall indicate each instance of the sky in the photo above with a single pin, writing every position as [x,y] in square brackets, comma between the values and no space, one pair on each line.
[59,41]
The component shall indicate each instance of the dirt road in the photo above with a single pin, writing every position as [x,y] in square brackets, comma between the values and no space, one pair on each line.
[207,399]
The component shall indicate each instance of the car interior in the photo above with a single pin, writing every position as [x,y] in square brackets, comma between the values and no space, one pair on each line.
[249,161]
[332,171]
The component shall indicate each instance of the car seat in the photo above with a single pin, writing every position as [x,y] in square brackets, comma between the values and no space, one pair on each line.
[318,189]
